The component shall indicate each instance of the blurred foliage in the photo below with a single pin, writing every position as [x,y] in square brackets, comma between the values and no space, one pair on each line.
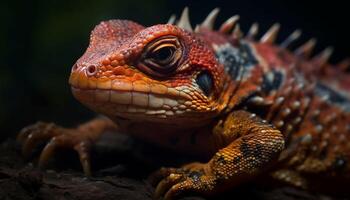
[41,39]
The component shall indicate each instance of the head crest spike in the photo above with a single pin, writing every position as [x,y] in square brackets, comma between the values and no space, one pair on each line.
[323,57]
[271,35]
[172,19]
[344,65]
[253,31]
[210,19]
[237,33]
[184,21]
[306,49]
[291,38]
[227,26]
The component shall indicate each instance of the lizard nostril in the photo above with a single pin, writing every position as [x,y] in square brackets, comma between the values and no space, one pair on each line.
[91,70]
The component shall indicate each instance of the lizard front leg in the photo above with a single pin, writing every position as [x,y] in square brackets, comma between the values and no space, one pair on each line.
[80,139]
[251,144]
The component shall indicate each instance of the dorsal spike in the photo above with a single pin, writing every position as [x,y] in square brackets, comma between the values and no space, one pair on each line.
[227,26]
[197,28]
[237,33]
[344,65]
[291,38]
[253,31]
[210,19]
[271,35]
[323,57]
[184,21]
[306,49]
[172,19]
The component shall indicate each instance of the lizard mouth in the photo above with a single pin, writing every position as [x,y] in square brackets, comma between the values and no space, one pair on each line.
[131,100]
[131,104]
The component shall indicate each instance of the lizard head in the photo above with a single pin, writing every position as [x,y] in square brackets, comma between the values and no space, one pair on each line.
[161,73]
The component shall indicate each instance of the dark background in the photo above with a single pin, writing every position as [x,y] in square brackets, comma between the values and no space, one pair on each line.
[40,40]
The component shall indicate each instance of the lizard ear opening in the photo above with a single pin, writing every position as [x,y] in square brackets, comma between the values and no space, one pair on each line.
[205,82]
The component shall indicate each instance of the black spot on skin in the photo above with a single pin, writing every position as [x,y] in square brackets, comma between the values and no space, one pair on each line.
[254,154]
[195,175]
[236,160]
[221,159]
[258,150]
[333,96]
[236,59]
[272,81]
[249,58]
[257,154]
[245,149]
[205,82]
[231,60]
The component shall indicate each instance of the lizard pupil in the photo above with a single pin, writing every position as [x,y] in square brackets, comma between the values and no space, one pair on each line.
[163,55]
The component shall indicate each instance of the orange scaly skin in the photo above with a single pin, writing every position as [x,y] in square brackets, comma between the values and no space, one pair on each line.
[247,106]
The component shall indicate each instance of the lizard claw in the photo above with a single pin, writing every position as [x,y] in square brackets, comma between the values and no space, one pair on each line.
[35,134]
[162,173]
[57,138]
[83,149]
[167,183]
[176,182]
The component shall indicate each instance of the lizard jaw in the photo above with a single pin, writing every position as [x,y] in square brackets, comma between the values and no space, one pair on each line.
[131,104]
[167,106]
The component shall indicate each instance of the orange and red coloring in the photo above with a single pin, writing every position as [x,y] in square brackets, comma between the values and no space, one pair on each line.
[248,106]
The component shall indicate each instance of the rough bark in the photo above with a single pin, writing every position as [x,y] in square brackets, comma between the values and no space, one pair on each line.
[20,179]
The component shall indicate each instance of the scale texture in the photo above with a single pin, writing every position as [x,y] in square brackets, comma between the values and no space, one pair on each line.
[248,107]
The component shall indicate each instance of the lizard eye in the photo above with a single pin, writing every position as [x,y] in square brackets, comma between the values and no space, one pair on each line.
[163,54]
[161,57]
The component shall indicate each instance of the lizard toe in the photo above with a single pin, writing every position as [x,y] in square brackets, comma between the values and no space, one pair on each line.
[162,173]
[81,146]
[182,181]
[164,185]
[179,189]
[35,134]
[79,139]
[51,147]
[83,149]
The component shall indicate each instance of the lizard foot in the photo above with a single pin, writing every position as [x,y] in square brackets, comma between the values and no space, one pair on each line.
[56,137]
[174,182]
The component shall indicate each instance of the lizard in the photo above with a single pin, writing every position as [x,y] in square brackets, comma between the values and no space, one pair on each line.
[249,106]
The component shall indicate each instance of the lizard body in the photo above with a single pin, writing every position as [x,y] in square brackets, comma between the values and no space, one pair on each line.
[247,106]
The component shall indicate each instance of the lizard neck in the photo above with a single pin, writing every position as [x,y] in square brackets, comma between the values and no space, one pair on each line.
[243,73]
[185,139]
